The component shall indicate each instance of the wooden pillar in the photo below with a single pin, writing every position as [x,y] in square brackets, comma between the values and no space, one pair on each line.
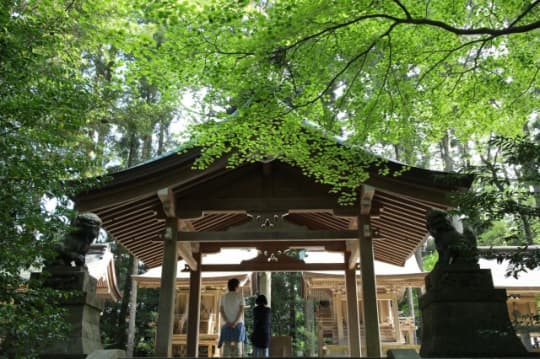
[353,319]
[395,316]
[410,297]
[167,291]
[194,312]
[369,288]
[265,285]
[339,317]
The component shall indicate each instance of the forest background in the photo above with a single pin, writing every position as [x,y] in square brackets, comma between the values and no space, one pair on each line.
[93,87]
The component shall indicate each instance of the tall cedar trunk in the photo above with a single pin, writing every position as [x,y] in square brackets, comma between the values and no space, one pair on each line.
[147,147]
[292,307]
[132,309]
[121,334]
[133,147]
[446,154]
[161,137]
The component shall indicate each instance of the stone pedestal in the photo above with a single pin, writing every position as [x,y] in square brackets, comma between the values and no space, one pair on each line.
[83,312]
[465,316]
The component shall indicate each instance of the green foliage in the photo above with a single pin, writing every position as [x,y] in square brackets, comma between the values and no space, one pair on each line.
[377,74]
[31,321]
[505,201]
[43,100]
[429,261]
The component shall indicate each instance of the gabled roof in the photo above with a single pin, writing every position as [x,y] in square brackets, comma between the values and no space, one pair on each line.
[100,263]
[219,198]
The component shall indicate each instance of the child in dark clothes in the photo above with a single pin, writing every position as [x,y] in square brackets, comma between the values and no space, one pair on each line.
[260,338]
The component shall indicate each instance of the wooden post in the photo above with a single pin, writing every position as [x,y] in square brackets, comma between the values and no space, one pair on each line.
[353,319]
[167,291]
[395,316]
[410,297]
[369,288]
[192,350]
[339,316]
[265,285]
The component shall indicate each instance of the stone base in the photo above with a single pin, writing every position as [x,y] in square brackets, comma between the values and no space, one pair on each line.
[464,316]
[83,312]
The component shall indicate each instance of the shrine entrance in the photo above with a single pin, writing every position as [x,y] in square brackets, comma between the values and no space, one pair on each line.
[163,211]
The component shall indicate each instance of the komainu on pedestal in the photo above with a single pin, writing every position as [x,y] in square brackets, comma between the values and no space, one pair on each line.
[463,314]
[67,271]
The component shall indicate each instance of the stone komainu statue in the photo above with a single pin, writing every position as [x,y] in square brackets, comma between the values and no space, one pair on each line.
[77,242]
[453,247]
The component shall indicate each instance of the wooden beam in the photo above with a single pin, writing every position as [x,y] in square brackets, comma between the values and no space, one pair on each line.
[214,247]
[403,217]
[354,253]
[366,197]
[166,196]
[397,186]
[264,235]
[147,179]
[394,223]
[403,202]
[135,229]
[273,204]
[142,218]
[184,250]
[137,234]
[127,208]
[273,267]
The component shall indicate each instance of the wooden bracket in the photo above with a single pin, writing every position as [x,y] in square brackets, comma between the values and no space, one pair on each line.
[366,197]
[166,196]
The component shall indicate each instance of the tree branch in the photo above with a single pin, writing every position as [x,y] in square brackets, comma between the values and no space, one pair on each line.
[349,63]
[407,14]
[525,12]
[511,29]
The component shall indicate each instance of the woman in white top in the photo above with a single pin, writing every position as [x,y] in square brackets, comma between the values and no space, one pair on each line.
[233,332]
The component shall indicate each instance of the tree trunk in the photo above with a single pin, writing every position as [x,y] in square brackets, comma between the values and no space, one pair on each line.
[292,306]
[446,153]
[122,314]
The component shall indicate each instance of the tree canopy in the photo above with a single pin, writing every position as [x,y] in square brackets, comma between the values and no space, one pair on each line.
[375,73]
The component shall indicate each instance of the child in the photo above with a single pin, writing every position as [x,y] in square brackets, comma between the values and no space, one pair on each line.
[262,316]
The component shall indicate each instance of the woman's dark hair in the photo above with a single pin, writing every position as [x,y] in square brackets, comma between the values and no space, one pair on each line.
[232,284]
[261,300]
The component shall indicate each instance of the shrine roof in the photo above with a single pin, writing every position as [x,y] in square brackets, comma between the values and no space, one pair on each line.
[220,198]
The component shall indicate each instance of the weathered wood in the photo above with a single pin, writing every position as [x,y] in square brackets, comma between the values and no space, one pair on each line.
[194,208]
[273,267]
[166,196]
[217,236]
[353,317]
[167,293]
[184,250]
[213,247]
[140,184]
[394,185]
[366,197]
[195,280]
[369,288]
[353,254]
